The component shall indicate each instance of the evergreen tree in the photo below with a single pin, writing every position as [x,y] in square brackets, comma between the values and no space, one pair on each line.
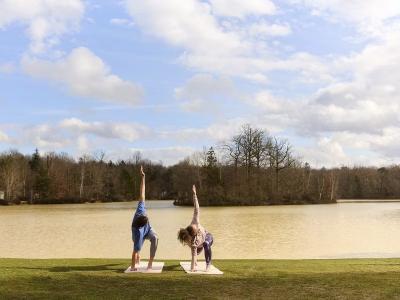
[40,185]
[211,158]
[35,161]
[211,168]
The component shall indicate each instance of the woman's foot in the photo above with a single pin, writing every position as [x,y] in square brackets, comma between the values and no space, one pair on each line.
[208,267]
[150,264]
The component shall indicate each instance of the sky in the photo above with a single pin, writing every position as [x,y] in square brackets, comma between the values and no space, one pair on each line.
[169,77]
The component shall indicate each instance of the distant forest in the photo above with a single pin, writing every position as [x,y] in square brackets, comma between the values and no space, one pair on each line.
[253,168]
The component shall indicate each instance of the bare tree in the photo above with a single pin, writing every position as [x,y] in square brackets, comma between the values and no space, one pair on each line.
[247,142]
[333,186]
[10,173]
[234,151]
[280,156]
[198,159]
[82,162]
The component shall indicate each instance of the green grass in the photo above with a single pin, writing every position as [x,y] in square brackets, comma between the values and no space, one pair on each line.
[243,279]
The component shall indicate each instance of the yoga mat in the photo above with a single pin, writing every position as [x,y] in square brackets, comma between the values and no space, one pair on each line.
[200,269]
[142,268]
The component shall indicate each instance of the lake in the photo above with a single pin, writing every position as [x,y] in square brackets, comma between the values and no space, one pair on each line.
[102,230]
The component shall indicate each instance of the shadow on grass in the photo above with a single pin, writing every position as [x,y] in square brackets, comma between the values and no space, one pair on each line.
[62,269]
[377,264]
[173,268]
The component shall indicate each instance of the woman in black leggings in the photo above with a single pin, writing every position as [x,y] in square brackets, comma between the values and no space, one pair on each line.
[196,237]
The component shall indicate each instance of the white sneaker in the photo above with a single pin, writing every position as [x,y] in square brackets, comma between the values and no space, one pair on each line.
[208,268]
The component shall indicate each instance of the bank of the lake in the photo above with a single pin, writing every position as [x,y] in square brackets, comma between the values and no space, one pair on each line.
[243,279]
[238,202]
[186,202]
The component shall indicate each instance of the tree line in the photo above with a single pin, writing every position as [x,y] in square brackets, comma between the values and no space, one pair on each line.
[252,168]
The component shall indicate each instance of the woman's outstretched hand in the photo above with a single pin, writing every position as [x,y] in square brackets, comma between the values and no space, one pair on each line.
[141,171]
[194,189]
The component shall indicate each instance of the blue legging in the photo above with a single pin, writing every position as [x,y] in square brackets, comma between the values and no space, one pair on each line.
[209,240]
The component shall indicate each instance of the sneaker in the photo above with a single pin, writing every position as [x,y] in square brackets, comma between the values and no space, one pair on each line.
[208,268]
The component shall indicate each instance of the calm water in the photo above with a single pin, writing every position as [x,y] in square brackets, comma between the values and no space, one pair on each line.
[103,230]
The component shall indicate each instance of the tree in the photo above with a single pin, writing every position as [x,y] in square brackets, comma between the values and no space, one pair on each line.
[109,185]
[40,178]
[35,161]
[211,158]
[211,168]
[281,158]
[247,142]
[10,174]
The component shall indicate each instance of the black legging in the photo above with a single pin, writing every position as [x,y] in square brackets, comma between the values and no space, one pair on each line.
[208,241]
[207,247]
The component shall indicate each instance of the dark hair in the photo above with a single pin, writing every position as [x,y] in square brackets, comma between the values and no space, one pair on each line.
[190,230]
[184,236]
[140,221]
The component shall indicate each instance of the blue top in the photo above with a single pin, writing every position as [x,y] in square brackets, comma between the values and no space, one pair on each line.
[140,234]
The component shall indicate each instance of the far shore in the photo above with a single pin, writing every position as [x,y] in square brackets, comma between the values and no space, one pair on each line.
[187,203]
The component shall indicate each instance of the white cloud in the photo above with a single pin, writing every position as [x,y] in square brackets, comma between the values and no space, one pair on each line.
[204,92]
[213,133]
[85,74]
[272,104]
[368,101]
[358,113]
[43,136]
[369,16]
[226,46]
[81,136]
[118,140]
[349,149]
[187,24]
[362,95]
[7,67]
[109,130]
[3,137]
[208,45]
[308,68]
[311,118]
[263,29]
[356,10]
[46,20]
[83,145]
[167,155]
[241,9]
[385,143]
[122,22]
[325,153]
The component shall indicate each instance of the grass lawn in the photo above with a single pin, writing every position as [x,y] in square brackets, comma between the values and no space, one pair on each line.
[243,279]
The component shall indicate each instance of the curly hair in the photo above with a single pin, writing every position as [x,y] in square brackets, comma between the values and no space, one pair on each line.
[184,236]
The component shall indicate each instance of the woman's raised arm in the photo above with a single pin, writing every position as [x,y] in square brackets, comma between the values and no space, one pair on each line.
[142,196]
[196,213]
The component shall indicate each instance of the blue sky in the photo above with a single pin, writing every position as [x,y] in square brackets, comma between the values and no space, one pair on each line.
[169,77]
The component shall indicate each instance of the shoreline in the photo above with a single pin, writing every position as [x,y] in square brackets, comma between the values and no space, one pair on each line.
[338,201]
[174,202]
